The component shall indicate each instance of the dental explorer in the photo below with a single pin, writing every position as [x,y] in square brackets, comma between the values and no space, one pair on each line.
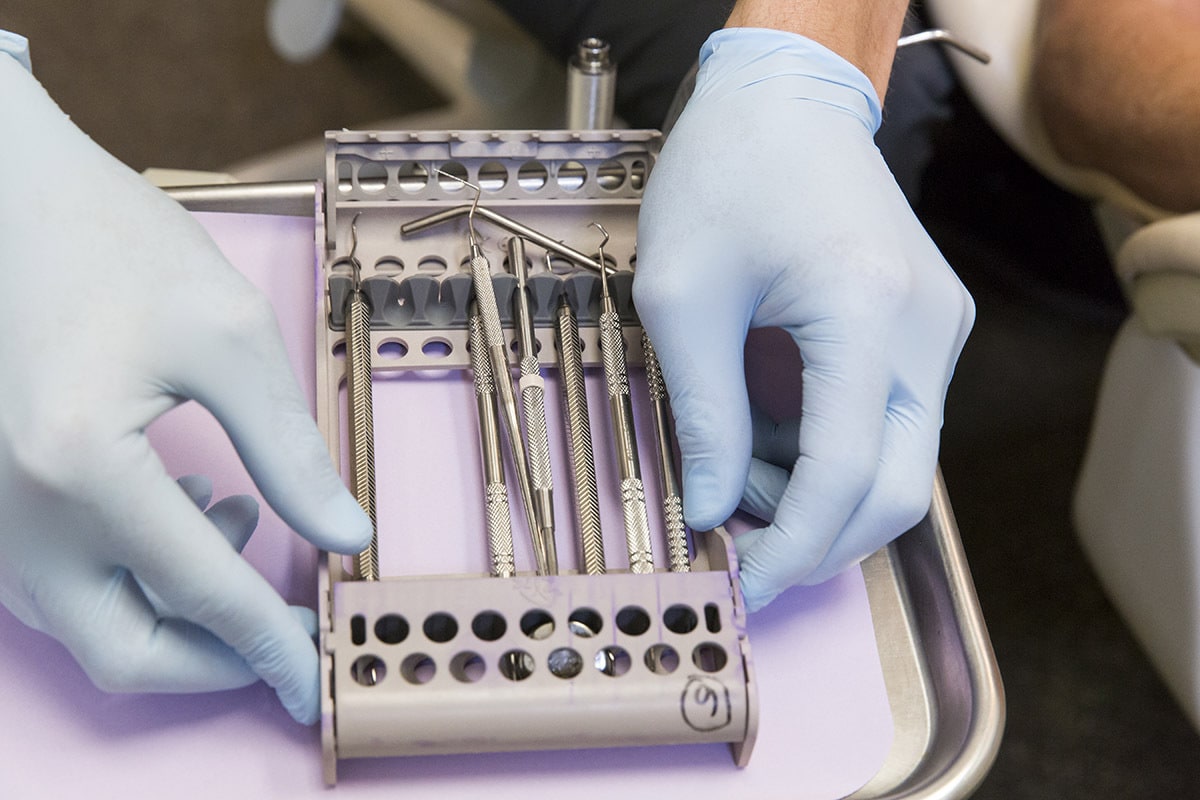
[579,437]
[533,396]
[668,478]
[489,313]
[358,392]
[620,407]
[499,519]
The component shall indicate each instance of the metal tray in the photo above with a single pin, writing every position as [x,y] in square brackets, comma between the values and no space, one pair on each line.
[943,683]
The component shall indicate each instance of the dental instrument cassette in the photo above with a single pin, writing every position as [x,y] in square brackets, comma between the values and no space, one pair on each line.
[484,382]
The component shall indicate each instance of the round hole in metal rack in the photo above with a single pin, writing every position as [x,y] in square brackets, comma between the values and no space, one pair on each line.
[467,667]
[612,661]
[368,670]
[537,624]
[345,177]
[611,175]
[585,622]
[372,177]
[418,669]
[662,659]
[392,349]
[710,657]
[440,627]
[633,621]
[532,176]
[437,348]
[391,629]
[431,264]
[517,665]
[680,619]
[489,625]
[412,177]
[571,176]
[492,176]
[389,265]
[560,265]
[452,177]
[637,175]
[565,662]
[339,350]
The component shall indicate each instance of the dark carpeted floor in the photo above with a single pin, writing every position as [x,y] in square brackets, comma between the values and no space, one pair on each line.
[1087,717]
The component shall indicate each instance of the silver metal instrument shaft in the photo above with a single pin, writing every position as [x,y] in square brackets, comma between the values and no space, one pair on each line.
[359,403]
[668,477]
[620,407]
[579,439]
[489,313]
[533,400]
[472,210]
[499,519]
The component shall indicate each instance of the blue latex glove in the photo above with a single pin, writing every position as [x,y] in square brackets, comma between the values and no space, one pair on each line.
[117,306]
[771,206]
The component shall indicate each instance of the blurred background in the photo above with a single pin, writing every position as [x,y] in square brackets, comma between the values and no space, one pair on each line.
[199,87]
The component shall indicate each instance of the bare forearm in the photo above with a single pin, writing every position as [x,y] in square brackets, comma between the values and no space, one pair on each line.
[1116,84]
[864,32]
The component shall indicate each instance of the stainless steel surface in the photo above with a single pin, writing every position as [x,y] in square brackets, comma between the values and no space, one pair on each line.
[499,220]
[620,409]
[942,680]
[591,86]
[947,38]
[533,397]
[579,440]
[668,478]
[485,293]
[286,198]
[361,425]
[499,517]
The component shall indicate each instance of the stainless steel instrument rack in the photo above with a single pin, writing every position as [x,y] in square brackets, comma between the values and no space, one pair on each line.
[943,684]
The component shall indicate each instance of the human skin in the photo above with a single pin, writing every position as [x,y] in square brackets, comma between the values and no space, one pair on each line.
[1115,85]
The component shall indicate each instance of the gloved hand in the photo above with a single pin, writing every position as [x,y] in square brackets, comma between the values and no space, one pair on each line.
[771,206]
[116,307]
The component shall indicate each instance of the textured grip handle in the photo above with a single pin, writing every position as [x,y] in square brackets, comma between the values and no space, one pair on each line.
[362,425]
[481,279]
[499,528]
[579,442]
[533,402]
[612,349]
[637,526]
[677,546]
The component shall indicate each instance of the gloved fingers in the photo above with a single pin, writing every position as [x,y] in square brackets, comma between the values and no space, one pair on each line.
[235,517]
[176,554]
[765,485]
[123,644]
[242,375]
[901,494]
[839,444]
[197,487]
[699,343]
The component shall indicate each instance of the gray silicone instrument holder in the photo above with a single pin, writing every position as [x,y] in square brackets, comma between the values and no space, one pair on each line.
[439,664]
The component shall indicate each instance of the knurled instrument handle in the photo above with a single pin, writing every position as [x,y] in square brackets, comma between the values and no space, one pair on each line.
[668,478]
[496,508]
[633,495]
[362,424]
[579,440]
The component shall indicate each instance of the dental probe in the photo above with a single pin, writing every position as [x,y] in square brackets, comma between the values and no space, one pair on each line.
[472,210]
[668,478]
[533,402]
[358,392]
[579,438]
[620,408]
[489,313]
[499,519]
